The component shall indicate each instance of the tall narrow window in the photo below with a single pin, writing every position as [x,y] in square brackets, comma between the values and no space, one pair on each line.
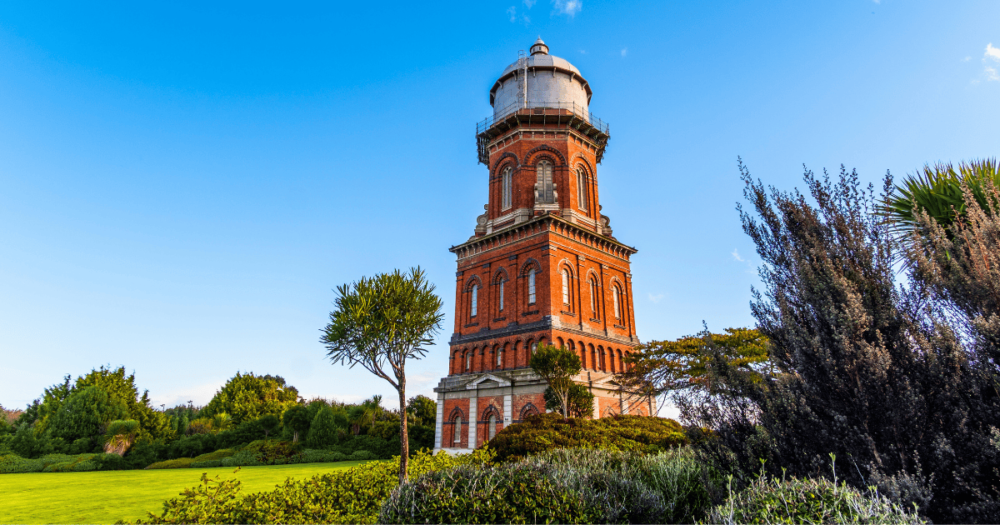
[531,286]
[493,425]
[565,283]
[475,298]
[468,361]
[618,310]
[546,188]
[500,356]
[505,182]
[593,298]
[501,294]
[581,188]
[458,429]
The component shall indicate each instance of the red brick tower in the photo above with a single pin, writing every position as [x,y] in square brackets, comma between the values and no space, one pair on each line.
[542,266]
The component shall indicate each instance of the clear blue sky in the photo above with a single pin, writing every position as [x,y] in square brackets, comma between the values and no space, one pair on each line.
[182,184]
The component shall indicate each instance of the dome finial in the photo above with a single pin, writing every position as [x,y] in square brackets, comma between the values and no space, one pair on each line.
[539,47]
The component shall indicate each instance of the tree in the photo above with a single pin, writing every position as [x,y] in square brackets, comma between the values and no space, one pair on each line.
[297,419]
[423,409]
[675,367]
[557,366]
[580,401]
[86,414]
[323,429]
[939,191]
[380,323]
[246,397]
[121,436]
[866,368]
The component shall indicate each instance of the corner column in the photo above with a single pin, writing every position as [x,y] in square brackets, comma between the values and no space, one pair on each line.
[473,419]
[439,425]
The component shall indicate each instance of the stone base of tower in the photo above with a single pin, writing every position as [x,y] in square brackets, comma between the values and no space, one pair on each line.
[473,407]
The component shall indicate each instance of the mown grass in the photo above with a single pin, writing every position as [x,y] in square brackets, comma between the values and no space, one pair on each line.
[106,497]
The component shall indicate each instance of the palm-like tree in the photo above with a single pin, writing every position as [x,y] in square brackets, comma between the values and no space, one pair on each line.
[937,190]
[121,435]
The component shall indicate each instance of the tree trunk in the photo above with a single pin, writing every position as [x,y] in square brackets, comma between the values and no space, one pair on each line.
[404,440]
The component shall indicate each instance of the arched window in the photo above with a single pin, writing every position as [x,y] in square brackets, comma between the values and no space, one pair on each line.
[505,183]
[603,363]
[468,360]
[500,282]
[493,425]
[581,188]
[618,306]
[593,298]
[500,354]
[475,298]
[565,289]
[458,429]
[546,190]
[531,286]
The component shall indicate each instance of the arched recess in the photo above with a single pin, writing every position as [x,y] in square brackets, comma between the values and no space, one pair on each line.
[528,410]
[528,265]
[499,281]
[492,419]
[458,423]
[547,151]
[568,283]
[506,159]
[583,354]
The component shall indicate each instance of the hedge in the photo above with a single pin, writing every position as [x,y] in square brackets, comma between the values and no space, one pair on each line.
[543,432]
[351,495]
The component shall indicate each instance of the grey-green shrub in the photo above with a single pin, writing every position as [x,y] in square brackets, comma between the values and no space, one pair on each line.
[792,500]
[562,486]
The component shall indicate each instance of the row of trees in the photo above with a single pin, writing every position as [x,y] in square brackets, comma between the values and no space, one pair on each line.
[877,340]
[103,411]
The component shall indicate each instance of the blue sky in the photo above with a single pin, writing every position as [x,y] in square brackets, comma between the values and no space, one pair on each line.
[182,185]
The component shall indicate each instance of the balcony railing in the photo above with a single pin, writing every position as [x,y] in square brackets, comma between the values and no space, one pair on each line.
[559,110]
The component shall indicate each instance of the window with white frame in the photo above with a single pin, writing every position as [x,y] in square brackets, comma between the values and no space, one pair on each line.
[475,298]
[500,293]
[581,188]
[458,429]
[531,286]
[565,286]
[618,309]
[505,185]
[593,297]
[547,190]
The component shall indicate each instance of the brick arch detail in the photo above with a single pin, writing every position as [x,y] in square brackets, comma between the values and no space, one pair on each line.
[473,280]
[526,266]
[528,410]
[491,409]
[548,149]
[500,164]
[578,159]
[502,272]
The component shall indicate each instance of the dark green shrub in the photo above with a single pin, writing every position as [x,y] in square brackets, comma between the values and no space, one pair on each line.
[216,455]
[561,486]
[323,430]
[548,431]
[362,455]
[143,454]
[207,464]
[110,462]
[321,456]
[772,500]
[345,496]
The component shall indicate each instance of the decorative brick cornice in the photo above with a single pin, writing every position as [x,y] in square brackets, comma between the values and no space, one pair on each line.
[538,225]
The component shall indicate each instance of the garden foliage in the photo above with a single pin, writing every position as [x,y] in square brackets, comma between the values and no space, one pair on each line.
[542,432]
[881,374]
[248,397]
[817,500]
[352,495]
[561,486]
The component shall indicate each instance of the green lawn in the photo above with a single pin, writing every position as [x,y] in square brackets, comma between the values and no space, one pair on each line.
[106,497]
